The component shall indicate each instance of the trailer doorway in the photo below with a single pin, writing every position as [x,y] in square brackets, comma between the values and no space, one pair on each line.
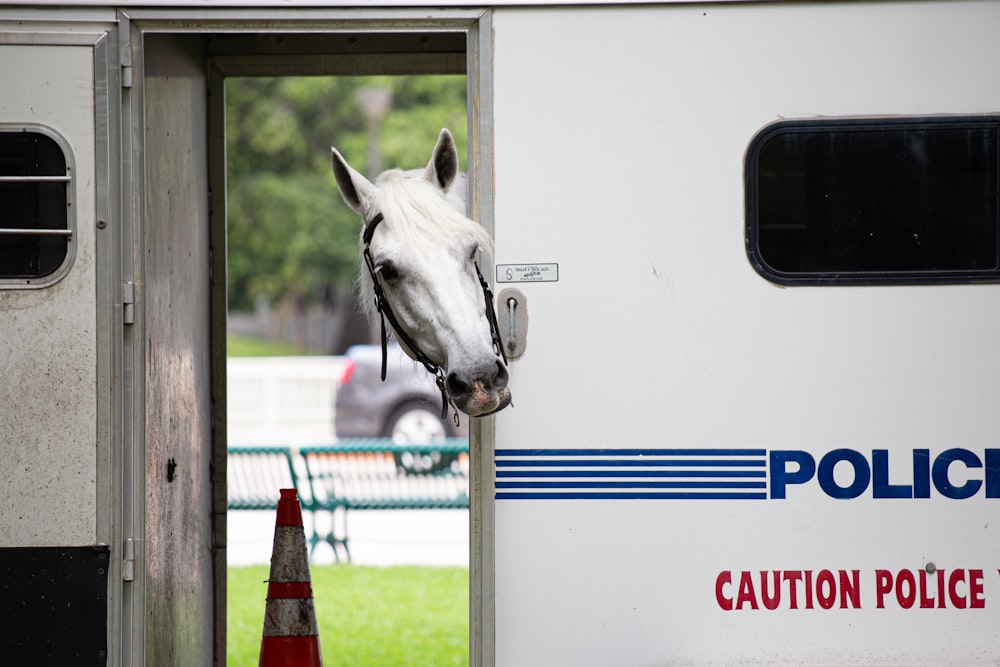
[293,260]
[178,231]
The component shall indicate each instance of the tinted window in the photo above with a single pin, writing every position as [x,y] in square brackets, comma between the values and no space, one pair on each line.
[908,201]
[35,232]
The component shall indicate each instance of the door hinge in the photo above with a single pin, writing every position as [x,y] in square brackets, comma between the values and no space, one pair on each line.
[128,561]
[125,49]
[128,303]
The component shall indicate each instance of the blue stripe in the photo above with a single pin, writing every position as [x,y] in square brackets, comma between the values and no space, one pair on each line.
[621,495]
[631,485]
[631,473]
[630,452]
[609,463]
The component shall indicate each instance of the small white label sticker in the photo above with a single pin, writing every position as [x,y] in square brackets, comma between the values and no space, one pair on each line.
[527,273]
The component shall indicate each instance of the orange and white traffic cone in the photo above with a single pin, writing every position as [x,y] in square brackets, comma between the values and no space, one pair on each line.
[291,637]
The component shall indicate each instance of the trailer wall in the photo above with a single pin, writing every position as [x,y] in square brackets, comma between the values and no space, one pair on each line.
[620,142]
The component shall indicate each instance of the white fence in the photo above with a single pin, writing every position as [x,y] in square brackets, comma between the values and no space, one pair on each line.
[283,400]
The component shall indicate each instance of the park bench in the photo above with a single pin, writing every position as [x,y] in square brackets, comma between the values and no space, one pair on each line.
[354,474]
[376,474]
[255,476]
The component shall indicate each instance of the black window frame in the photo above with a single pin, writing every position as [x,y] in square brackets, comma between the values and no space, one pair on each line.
[56,218]
[866,277]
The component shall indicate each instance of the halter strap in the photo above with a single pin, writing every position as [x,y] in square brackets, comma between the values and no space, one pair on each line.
[385,313]
[385,310]
[491,316]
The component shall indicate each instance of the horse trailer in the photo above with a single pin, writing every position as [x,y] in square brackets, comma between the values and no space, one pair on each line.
[754,386]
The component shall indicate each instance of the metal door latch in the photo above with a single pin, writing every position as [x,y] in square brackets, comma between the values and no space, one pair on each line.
[512,316]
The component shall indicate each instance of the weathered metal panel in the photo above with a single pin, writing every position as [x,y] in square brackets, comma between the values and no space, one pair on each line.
[175,303]
[48,359]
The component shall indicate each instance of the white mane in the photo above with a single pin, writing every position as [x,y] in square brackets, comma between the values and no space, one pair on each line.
[420,214]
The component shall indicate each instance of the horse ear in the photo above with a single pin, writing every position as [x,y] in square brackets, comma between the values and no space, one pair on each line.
[354,187]
[443,167]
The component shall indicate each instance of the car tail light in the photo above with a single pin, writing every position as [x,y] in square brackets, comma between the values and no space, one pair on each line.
[349,367]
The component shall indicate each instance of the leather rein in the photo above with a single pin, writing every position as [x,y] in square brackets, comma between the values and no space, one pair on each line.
[385,313]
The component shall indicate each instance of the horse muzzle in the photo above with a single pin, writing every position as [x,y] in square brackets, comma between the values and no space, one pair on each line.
[484,394]
[504,401]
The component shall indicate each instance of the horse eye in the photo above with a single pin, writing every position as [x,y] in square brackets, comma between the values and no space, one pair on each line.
[475,251]
[387,270]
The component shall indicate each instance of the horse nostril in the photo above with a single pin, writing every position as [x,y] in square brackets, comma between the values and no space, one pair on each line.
[456,386]
[500,381]
[486,379]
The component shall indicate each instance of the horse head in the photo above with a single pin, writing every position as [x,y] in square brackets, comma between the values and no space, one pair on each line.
[422,254]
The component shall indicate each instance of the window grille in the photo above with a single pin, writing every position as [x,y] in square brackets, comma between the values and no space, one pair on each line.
[36,207]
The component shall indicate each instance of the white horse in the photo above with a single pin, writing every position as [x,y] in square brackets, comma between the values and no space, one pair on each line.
[421,253]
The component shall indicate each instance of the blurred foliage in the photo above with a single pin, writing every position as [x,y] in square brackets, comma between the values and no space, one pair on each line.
[291,237]
[247,346]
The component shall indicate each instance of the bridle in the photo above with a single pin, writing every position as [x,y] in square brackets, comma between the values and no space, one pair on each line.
[385,312]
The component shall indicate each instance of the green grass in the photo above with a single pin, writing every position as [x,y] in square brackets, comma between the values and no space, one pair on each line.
[367,616]
[243,346]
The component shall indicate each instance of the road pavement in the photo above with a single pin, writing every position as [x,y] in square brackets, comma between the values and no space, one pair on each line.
[390,537]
